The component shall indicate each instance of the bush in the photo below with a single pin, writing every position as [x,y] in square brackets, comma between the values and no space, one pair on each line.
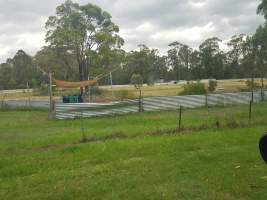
[255,85]
[194,89]
[95,91]
[44,90]
[212,85]
[124,94]
[137,81]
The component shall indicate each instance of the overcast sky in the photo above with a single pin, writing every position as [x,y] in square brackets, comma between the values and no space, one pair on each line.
[155,23]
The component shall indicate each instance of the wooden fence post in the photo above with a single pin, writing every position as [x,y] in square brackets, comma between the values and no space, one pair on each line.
[140,102]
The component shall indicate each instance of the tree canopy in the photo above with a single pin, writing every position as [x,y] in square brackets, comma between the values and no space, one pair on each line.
[82,31]
[262,8]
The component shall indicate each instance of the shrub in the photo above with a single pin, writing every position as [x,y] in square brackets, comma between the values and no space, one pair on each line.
[137,81]
[249,84]
[124,94]
[212,85]
[44,90]
[194,89]
[95,91]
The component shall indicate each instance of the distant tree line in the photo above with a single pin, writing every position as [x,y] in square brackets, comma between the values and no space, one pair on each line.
[84,42]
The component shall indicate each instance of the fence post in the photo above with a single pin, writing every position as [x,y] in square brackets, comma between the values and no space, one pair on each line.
[84,139]
[206,99]
[51,102]
[29,96]
[180,118]
[250,111]
[252,88]
[262,90]
[50,92]
[111,85]
[140,102]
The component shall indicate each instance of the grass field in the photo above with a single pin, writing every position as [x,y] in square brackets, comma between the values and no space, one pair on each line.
[134,156]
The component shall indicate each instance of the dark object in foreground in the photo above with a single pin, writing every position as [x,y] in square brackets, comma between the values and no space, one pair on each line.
[72,99]
[263,148]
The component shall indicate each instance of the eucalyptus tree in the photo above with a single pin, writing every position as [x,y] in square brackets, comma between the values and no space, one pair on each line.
[249,61]
[19,72]
[249,52]
[212,60]
[179,58]
[57,61]
[109,61]
[82,31]
[260,46]
[196,67]
[146,62]
[234,56]
[25,71]
[6,77]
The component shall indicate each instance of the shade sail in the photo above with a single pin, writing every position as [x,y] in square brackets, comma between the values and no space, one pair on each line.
[68,84]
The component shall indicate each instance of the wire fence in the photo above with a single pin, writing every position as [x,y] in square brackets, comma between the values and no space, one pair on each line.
[76,110]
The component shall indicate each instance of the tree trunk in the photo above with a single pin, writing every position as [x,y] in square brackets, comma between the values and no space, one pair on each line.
[252,88]
[81,76]
[86,73]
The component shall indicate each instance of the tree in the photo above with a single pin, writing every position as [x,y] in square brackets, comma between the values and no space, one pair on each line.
[212,85]
[19,72]
[104,62]
[262,8]
[24,69]
[179,59]
[234,56]
[212,58]
[82,31]
[59,62]
[147,63]
[196,68]
[6,79]
[260,46]
[249,61]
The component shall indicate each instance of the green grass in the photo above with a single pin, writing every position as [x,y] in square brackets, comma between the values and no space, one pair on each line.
[43,159]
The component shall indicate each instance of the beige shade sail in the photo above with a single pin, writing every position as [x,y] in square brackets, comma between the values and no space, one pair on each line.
[68,84]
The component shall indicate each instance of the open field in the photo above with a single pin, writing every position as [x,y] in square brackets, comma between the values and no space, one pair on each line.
[173,90]
[135,156]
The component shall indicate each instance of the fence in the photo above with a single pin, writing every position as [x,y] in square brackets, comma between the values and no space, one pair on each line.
[44,104]
[72,111]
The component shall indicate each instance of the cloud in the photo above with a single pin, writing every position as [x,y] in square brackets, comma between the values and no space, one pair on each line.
[155,23]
